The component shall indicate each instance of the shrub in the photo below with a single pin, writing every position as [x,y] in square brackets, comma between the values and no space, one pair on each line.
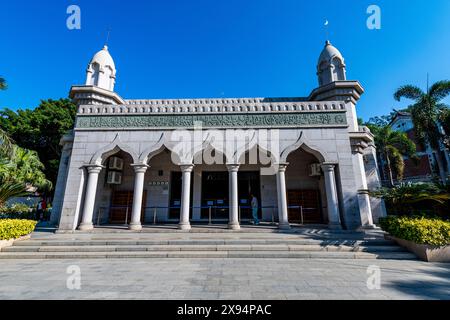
[12,229]
[412,198]
[420,230]
[17,211]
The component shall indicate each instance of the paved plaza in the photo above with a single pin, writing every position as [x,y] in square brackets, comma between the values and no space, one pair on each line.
[223,279]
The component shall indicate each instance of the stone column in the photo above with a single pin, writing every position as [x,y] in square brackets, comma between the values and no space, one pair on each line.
[334,220]
[283,222]
[185,196]
[89,198]
[233,195]
[365,209]
[139,169]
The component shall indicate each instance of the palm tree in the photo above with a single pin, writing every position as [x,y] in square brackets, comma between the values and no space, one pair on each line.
[11,189]
[426,113]
[415,197]
[392,146]
[6,144]
[29,168]
[5,141]
[3,84]
[9,186]
[18,172]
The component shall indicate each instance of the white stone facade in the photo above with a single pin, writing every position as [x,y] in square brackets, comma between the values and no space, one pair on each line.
[158,140]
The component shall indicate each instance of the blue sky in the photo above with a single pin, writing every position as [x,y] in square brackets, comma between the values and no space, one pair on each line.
[222,48]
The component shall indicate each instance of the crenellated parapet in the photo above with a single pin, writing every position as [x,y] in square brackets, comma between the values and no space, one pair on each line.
[245,105]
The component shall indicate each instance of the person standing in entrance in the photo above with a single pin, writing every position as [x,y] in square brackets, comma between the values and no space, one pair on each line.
[254,204]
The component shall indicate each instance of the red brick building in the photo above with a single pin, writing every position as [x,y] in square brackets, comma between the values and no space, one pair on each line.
[424,168]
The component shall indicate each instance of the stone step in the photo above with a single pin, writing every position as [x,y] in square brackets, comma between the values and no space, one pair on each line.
[240,247]
[126,242]
[208,254]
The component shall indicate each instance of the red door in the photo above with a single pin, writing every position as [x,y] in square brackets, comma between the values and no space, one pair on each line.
[121,206]
[309,200]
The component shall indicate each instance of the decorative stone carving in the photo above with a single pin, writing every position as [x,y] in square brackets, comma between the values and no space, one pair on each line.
[358,146]
[322,119]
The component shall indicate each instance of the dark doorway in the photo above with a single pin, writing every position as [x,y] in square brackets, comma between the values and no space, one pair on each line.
[215,194]
[248,184]
[175,195]
[309,200]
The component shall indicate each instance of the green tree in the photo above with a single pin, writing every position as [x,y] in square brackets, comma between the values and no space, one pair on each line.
[29,169]
[20,170]
[391,147]
[41,130]
[5,140]
[9,187]
[6,145]
[445,120]
[409,198]
[426,114]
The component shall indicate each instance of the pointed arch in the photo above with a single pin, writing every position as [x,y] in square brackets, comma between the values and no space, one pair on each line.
[305,144]
[152,150]
[237,154]
[115,146]
[274,156]
[210,147]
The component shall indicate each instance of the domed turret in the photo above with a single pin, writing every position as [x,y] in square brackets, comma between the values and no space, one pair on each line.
[331,65]
[101,70]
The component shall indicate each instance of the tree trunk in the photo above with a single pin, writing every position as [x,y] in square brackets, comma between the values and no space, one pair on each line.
[440,165]
[380,165]
[391,178]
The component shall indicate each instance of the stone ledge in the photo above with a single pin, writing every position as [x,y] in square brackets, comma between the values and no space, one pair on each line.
[10,242]
[428,253]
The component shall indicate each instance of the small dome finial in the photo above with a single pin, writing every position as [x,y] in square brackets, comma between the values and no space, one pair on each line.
[331,65]
[102,70]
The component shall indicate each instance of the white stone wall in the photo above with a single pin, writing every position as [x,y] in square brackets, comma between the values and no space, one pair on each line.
[330,145]
[61,182]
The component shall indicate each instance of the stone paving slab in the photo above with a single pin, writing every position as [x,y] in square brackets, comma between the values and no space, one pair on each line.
[219,278]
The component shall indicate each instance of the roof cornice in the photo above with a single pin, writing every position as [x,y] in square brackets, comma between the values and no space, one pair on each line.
[338,91]
[94,95]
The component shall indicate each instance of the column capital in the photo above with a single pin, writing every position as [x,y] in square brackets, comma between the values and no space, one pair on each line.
[363,191]
[186,167]
[328,166]
[139,167]
[282,166]
[233,167]
[94,168]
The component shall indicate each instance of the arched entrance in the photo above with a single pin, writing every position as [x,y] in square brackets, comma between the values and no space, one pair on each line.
[163,183]
[115,191]
[109,192]
[305,187]
[211,201]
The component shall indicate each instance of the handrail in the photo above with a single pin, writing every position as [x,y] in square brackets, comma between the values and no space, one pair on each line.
[155,209]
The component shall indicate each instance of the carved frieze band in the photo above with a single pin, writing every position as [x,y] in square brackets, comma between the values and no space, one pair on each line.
[174,121]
